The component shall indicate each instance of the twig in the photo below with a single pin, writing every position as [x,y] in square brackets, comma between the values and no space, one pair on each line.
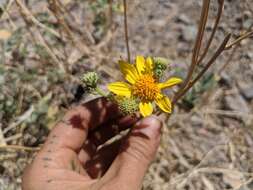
[198,42]
[126,31]
[6,12]
[19,120]
[55,7]
[19,147]
[110,14]
[227,113]
[218,17]
[238,40]
[229,59]
[2,140]
[26,15]
[29,15]
[211,61]
[13,137]
[249,6]
[202,26]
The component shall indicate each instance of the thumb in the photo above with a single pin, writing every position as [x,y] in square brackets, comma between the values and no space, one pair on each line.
[137,152]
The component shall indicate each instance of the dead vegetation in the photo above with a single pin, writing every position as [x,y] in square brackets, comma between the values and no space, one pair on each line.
[47,45]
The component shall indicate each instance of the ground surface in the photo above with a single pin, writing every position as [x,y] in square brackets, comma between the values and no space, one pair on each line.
[208,141]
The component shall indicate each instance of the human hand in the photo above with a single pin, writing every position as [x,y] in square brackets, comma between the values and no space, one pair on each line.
[72,157]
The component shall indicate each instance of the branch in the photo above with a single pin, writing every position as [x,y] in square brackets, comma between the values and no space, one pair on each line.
[210,62]
[217,21]
[197,46]
[18,147]
[126,31]
[238,40]
[29,15]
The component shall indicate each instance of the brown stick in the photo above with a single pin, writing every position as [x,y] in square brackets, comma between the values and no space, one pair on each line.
[126,31]
[210,62]
[197,46]
[238,40]
[217,21]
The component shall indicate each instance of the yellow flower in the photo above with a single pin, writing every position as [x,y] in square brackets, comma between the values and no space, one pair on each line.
[142,84]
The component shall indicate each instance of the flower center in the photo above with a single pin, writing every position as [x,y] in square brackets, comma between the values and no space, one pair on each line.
[146,88]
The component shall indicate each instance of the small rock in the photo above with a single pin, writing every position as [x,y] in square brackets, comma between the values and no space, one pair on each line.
[183,19]
[189,33]
[249,55]
[236,103]
[225,80]
[247,92]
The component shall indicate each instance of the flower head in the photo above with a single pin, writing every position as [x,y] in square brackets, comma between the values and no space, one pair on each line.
[127,106]
[143,85]
[160,65]
[90,80]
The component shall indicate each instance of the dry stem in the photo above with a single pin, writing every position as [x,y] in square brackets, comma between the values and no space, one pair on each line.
[197,46]
[18,147]
[126,31]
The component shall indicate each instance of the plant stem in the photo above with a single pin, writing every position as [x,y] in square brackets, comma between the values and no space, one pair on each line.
[207,66]
[126,31]
[100,92]
[238,40]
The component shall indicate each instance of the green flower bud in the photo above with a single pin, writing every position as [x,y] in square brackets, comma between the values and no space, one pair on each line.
[127,106]
[160,65]
[90,80]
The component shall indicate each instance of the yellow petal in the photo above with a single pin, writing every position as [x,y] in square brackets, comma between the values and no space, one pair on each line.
[120,88]
[169,83]
[146,108]
[129,71]
[149,65]
[164,104]
[140,64]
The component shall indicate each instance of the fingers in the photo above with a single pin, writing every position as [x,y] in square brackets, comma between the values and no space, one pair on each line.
[100,162]
[137,152]
[72,130]
[111,129]
[102,134]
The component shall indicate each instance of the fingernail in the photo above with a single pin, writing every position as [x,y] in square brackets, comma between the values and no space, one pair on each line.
[149,126]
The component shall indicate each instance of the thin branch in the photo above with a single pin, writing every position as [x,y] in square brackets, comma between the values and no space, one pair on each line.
[43,42]
[197,46]
[55,7]
[217,21]
[18,147]
[126,31]
[238,40]
[110,14]
[211,61]
[19,120]
[229,59]
[29,15]
[202,26]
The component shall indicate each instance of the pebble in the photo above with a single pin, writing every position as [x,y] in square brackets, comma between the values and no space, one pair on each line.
[183,19]
[236,103]
[247,92]
[189,33]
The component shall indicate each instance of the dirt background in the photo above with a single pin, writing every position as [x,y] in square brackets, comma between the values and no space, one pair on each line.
[207,142]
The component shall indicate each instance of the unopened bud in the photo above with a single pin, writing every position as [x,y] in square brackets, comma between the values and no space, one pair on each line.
[90,80]
[160,65]
[128,106]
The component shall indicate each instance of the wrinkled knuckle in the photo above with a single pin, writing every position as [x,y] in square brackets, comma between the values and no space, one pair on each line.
[155,121]
[140,151]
